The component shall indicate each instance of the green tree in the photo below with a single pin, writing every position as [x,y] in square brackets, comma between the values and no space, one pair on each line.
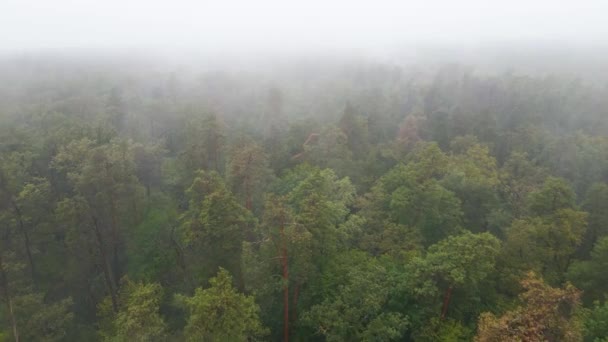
[39,320]
[458,262]
[411,195]
[283,240]
[431,208]
[248,173]
[22,198]
[330,150]
[355,129]
[356,291]
[33,205]
[148,161]
[28,314]
[594,204]
[220,313]
[138,317]
[519,178]
[545,245]
[473,177]
[203,144]
[594,322]
[448,329]
[556,193]
[106,200]
[214,226]
[321,203]
[589,275]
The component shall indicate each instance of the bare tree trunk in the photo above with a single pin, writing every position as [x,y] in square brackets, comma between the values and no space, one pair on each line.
[9,303]
[26,239]
[114,233]
[285,296]
[296,294]
[181,260]
[107,268]
[284,262]
[8,299]
[113,222]
[248,199]
[446,302]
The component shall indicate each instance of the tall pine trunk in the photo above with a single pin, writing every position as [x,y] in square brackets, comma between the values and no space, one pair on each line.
[26,241]
[285,298]
[446,301]
[8,299]
[296,294]
[105,264]
[247,184]
[285,265]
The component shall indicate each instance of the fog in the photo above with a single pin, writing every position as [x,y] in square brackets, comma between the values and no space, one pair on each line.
[286,27]
[316,170]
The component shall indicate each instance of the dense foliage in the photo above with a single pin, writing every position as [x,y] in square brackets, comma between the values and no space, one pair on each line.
[354,203]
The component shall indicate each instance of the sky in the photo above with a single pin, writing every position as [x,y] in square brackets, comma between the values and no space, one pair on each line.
[297,25]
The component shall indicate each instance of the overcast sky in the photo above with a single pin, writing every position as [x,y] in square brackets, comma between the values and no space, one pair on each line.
[283,24]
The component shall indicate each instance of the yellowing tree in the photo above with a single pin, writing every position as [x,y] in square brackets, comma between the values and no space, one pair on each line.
[548,314]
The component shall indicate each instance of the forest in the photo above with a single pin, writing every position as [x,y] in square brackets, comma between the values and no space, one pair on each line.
[313,201]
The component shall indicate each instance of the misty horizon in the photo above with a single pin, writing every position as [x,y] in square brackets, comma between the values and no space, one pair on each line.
[234,26]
